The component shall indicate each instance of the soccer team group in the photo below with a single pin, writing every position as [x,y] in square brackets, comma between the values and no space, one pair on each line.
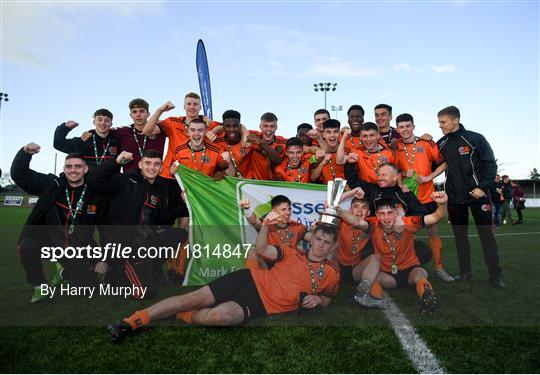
[116,177]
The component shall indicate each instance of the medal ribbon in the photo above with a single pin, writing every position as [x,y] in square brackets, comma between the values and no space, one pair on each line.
[410,161]
[74,211]
[141,150]
[233,161]
[320,273]
[393,249]
[100,159]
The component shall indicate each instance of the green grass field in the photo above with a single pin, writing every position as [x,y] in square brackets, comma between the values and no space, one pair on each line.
[475,329]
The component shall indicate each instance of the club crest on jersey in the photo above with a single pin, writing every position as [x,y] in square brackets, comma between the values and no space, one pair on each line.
[152,137]
[485,207]
[464,150]
[420,149]
[153,200]
[113,150]
[243,151]
[384,159]
[205,159]
[303,170]
[91,209]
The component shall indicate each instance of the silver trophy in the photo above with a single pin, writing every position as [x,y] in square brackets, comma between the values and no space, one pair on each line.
[334,192]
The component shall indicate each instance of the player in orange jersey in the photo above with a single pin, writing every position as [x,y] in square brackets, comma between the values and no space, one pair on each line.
[231,143]
[285,232]
[415,158]
[201,156]
[268,148]
[298,280]
[327,168]
[394,263]
[369,159]
[295,167]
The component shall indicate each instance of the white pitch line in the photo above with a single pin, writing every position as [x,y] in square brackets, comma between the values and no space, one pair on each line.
[421,357]
[496,235]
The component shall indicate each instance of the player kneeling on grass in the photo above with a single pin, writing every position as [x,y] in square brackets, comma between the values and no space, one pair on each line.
[298,280]
[394,263]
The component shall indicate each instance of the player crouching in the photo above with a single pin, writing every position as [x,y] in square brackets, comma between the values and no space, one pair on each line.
[298,279]
[394,263]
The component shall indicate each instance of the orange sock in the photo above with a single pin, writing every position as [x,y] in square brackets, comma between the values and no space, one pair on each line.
[138,319]
[436,250]
[422,285]
[186,316]
[376,289]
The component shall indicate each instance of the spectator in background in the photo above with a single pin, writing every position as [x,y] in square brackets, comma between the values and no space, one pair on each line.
[506,214]
[497,200]
[518,201]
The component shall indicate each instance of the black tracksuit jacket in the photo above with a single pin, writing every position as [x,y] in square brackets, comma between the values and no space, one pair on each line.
[471,164]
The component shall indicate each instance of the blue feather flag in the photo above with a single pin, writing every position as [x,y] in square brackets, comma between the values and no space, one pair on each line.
[204,79]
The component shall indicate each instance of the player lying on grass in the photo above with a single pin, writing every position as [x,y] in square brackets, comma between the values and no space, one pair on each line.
[394,263]
[298,280]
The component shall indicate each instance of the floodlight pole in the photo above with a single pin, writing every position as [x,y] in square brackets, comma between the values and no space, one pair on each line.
[324,88]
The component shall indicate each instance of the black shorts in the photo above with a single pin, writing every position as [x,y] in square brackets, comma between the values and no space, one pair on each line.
[176,203]
[430,207]
[402,277]
[346,275]
[238,286]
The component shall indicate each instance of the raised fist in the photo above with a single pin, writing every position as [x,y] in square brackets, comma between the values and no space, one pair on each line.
[124,157]
[439,197]
[70,124]
[245,204]
[271,218]
[346,133]
[32,148]
[226,156]
[352,157]
[313,133]
[166,107]
[320,154]
[358,193]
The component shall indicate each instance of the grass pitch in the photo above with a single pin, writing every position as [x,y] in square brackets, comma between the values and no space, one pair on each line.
[475,329]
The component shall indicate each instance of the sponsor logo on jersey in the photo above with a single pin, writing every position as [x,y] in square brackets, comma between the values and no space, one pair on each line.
[464,150]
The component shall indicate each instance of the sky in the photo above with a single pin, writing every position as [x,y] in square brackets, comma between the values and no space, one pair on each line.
[61,61]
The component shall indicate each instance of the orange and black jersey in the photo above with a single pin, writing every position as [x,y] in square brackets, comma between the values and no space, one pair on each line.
[284,172]
[280,286]
[351,242]
[353,143]
[331,170]
[208,160]
[240,157]
[94,150]
[175,128]
[403,243]
[260,165]
[290,235]
[420,157]
[368,162]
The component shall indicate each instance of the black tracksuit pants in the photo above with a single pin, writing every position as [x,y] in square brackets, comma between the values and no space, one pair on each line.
[459,218]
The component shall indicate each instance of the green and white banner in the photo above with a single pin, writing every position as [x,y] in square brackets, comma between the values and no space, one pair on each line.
[219,234]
